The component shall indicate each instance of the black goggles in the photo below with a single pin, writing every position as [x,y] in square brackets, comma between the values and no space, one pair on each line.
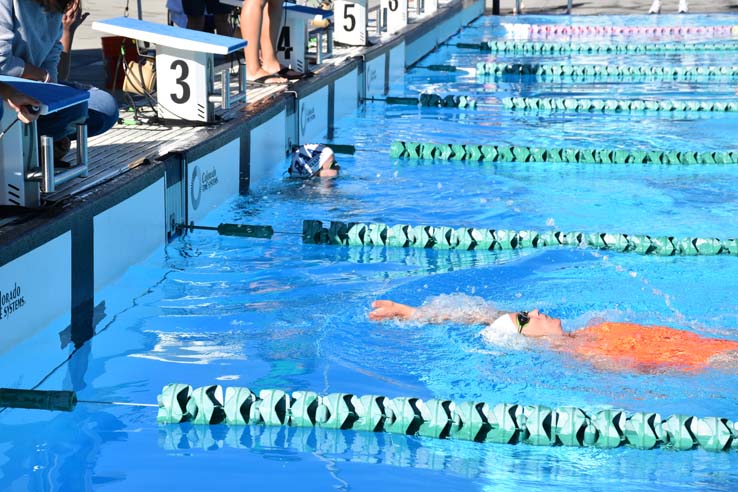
[523,319]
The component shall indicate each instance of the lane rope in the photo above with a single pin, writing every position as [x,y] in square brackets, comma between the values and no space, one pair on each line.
[430,100]
[572,155]
[554,104]
[601,71]
[595,48]
[554,32]
[502,423]
[432,237]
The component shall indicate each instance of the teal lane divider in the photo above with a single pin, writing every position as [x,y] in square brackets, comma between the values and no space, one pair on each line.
[520,153]
[615,105]
[502,423]
[431,101]
[544,48]
[650,72]
[425,236]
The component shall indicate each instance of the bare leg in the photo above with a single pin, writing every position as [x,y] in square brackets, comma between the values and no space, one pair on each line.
[270,27]
[251,30]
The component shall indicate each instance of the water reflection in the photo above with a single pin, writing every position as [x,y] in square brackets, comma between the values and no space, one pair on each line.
[282,443]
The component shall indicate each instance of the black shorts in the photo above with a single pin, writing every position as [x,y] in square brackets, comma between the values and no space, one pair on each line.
[196,8]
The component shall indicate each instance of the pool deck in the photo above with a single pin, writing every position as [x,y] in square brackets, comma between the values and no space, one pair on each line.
[142,179]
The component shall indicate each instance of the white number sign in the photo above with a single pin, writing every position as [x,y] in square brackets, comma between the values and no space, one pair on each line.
[350,22]
[395,12]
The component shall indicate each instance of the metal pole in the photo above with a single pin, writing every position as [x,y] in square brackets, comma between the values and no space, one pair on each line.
[138,3]
[47,164]
[568,7]
[82,156]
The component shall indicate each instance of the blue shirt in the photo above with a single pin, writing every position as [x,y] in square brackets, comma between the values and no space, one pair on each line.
[29,34]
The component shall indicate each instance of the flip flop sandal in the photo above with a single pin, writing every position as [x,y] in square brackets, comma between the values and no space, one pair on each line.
[290,74]
[262,81]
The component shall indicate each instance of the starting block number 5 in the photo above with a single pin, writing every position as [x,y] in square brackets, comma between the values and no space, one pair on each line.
[350,22]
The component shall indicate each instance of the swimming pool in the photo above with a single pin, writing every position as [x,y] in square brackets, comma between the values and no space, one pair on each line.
[281,314]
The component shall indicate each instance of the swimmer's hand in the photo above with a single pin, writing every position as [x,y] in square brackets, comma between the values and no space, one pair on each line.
[384,309]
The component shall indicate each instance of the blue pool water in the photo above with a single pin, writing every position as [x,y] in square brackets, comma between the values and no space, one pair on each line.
[280,314]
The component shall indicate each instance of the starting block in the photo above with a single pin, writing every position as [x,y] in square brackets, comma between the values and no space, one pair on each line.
[351,22]
[292,43]
[352,18]
[424,7]
[394,13]
[25,170]
[184,67]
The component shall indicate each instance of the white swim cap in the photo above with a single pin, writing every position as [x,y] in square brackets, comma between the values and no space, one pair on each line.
[505,324]
[504,333]
[307,160]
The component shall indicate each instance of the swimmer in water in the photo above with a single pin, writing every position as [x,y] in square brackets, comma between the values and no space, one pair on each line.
[313,160]
[608,345]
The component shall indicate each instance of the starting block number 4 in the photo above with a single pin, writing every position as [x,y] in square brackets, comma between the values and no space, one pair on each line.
[291,46]
[350,22]
[292,41]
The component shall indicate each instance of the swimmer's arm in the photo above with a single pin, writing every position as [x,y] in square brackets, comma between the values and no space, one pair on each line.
[385,309]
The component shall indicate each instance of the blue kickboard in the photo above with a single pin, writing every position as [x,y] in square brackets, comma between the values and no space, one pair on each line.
[309,11]
[53,97]
[170,36]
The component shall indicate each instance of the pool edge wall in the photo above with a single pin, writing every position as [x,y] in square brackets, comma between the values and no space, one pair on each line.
[53,267]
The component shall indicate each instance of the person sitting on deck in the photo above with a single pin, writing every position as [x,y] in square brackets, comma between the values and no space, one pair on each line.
[311,160]
[608,345]
[35,43]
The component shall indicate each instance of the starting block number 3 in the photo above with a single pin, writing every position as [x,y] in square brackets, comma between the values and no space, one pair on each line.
[350,22]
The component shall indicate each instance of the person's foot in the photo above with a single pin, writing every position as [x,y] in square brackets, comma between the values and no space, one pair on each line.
[263,77]
[655,7]
[683,9]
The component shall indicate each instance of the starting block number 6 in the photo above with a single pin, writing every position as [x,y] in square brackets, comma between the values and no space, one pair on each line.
[396,14]
[350,22]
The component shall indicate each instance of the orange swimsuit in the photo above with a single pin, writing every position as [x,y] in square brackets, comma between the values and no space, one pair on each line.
[648,347]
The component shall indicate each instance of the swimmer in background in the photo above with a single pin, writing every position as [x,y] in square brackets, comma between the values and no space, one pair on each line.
[683,8]
[607,345]
[313,160]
